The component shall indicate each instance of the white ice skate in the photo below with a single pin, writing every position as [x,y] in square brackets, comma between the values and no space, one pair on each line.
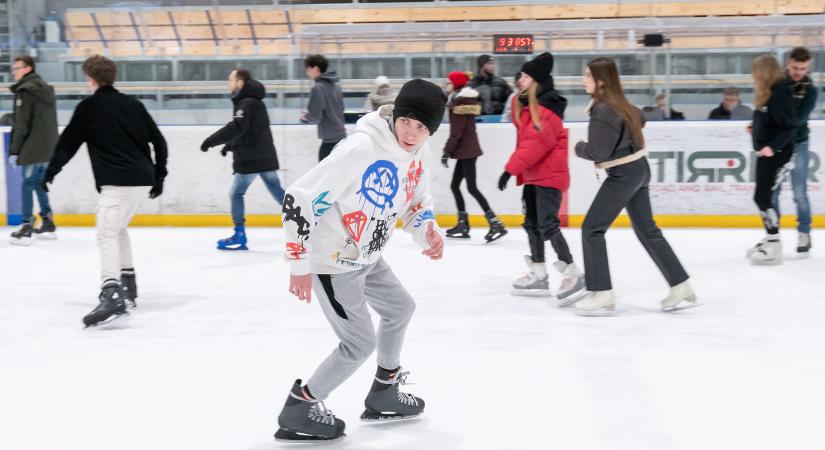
[756,247]
[572,283]
[598,303]
[769,253]
[803,248]
[681,297]
[533,284]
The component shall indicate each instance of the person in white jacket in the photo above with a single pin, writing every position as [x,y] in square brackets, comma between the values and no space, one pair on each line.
[337,220]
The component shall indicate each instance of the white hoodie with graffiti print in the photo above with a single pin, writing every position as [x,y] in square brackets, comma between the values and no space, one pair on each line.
[340,215]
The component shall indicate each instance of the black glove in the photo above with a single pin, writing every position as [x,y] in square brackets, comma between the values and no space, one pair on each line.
[157,189]
[224,151]
[502,181]
[444,158]
[46,181]
[204,147]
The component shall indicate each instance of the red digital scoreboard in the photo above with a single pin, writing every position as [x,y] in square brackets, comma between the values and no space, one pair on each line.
[513,43]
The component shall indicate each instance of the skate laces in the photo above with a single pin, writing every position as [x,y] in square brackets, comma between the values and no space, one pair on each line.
[403,397]
[320,414]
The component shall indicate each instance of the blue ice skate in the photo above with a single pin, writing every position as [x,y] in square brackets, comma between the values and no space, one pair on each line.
[236,242]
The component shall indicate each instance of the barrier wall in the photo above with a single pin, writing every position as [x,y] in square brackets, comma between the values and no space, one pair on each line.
[702,176]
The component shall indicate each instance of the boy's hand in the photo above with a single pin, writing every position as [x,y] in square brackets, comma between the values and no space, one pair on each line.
[301,287]
[436,250]
[766,152]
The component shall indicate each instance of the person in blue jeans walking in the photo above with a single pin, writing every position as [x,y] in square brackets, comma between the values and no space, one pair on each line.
[33,139]
[249,138]
[804,95]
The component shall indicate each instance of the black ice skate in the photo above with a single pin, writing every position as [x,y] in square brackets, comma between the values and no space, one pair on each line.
[128,287]
[47,228]
[462,230]
[23,236]
[111,310]
[497,230]
[386,402]
[304,420]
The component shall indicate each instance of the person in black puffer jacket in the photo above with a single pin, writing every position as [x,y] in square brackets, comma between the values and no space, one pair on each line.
[772,133]
[249,139]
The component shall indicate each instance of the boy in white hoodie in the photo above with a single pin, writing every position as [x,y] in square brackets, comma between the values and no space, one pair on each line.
[338,219]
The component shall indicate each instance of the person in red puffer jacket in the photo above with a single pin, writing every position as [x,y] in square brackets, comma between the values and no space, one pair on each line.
[540,164]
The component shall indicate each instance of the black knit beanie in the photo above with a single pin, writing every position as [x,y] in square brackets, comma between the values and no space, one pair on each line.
[421,100]
[482,60]
[539,68]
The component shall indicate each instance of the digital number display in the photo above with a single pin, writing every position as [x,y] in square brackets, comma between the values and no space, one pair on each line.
[513,43]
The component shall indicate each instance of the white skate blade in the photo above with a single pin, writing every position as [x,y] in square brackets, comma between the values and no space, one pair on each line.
[803,255]
[531,292]
[116,321]
[601,312]
[766,262]
[687,303]
[25,242]
[570,298]
[46,236]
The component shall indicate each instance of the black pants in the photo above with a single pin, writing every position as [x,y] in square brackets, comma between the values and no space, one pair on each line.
[465,169]
[626,186]
[541,221]
[325,150]
[770,172]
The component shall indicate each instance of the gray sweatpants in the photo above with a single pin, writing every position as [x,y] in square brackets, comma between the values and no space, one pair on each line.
[344,299]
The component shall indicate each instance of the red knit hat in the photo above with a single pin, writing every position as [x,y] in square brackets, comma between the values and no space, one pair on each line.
[459,79]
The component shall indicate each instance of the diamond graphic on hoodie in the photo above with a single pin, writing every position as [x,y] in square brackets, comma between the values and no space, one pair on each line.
[380,184]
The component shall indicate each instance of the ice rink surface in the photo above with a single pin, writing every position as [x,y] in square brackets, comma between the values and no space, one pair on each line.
[208,357]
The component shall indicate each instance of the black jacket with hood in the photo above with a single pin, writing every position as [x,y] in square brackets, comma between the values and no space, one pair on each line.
[34,128]
[117,129]
[248,135]
[774,124]
[493,92]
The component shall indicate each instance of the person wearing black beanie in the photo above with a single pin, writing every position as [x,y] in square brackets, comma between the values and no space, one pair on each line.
[539,68]
[338,219]
[423,101]
[493,90]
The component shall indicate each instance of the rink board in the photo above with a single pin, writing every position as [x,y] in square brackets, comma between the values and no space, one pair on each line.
[702,175]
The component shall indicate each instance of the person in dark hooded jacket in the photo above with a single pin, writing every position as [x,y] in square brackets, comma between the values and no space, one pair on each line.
[493,90]
[249,138]
[33,138]
[540,164]
[326,104]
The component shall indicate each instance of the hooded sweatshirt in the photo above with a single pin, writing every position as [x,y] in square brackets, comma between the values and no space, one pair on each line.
[248,135]
[326,108]
[340,215]
[34,130]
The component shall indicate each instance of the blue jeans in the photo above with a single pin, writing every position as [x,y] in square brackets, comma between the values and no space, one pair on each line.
[33,175]
[241,184]
[799,183]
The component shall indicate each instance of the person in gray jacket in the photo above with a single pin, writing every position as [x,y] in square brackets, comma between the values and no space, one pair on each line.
[731,107]
[326,105]
[33,139]
[616,143]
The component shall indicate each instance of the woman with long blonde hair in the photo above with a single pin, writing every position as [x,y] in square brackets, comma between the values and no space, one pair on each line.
[539,162]
[772,134]
[616,143]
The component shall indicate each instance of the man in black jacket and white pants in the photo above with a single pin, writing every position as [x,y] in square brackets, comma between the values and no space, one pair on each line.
[249,139]
[117,130]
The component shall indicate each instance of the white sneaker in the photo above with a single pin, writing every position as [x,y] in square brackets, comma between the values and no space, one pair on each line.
[598,303]
[535,283]
[769,252]
[681,297]
[572,283]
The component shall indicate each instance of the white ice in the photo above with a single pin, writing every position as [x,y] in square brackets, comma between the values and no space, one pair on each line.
[209,355]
